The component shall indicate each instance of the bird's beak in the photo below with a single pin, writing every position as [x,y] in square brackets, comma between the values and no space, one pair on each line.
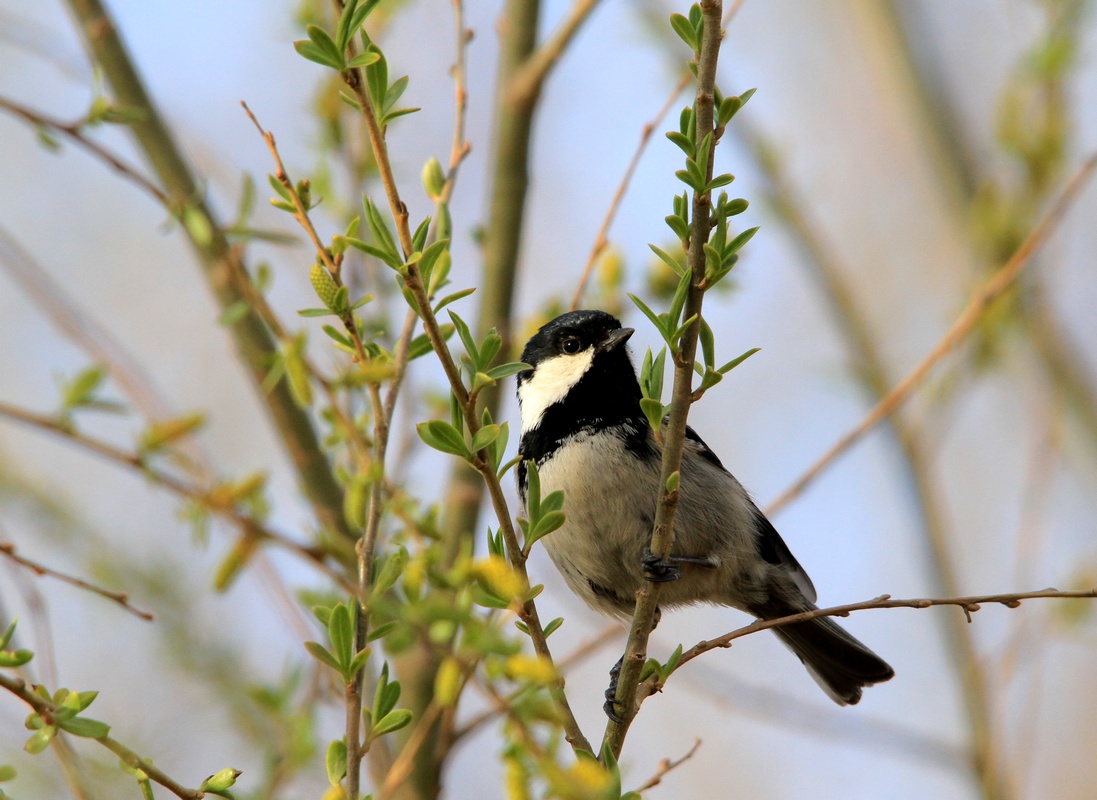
[615,339]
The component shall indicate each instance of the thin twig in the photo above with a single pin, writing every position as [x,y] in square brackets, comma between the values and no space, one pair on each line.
[981,301]
[404,763]
[121,598]
[665,766]
[969,604]
[526,84]
[248,525]
[75,131]
[47,710]
[601,241]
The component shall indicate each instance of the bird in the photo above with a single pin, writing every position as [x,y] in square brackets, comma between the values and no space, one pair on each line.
[583,427]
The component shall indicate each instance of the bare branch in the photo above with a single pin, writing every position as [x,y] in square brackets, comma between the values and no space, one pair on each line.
[75,132]
[526,84]
[7,549]
[248,525]
[969,604]
[981,301]
[665,766]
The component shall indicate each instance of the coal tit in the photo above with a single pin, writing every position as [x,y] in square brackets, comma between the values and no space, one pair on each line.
[583,427]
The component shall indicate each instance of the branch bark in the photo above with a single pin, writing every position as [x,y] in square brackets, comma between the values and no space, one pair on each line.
[253,341]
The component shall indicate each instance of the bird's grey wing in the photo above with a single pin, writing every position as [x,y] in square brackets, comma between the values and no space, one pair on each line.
[770,545]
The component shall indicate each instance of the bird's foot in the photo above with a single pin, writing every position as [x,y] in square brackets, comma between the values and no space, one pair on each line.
[656,569]
[610,706]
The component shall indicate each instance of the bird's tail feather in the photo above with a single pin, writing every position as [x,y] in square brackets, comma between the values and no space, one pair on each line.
[839,663]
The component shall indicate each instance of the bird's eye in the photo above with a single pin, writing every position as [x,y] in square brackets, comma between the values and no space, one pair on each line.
[571,345]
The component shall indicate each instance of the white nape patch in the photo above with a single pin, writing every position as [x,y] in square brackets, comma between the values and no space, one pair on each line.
[549,384]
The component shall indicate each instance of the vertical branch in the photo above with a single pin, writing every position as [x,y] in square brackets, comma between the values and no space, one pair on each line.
[254,344]
[503,235]
[662,537]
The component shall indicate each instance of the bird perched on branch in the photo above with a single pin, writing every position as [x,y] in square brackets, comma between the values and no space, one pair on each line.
[583,427]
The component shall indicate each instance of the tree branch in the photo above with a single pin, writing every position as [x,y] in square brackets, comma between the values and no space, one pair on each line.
[969,604]
[19,688]
[121,598]
[75,131]
[662,537]
[981,301]
[206,235]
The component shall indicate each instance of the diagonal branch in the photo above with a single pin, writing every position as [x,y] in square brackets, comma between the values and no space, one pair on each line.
[121,598]
[981,301]
[75,131]
[254,343]
[19,688]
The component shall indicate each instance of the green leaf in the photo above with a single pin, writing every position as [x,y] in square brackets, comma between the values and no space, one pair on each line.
[506,370]
[40,740]
[7,773]
[80,390]
[651,315]
[728,367]
[9,631]
[343,31]
[394,93]
[389,117]
[735,244]
[552,626]
[377,81]
[683,141]
[419,238]
[674,480]
[336,761]
[430,258]
[679,226]
[316,312]
[708,343]
[685,31]
[485,436]
[321,654]
[444,437]
[466,337]
[393,721]
[381,630]
[451,298]
[678,302]
[322,39]
[87,728]
[382,235]
[718,181]
[483,598]
[15,658]
[668,259]
[390,571]
[315,53]
[341,633]
[386,257]
[386,695]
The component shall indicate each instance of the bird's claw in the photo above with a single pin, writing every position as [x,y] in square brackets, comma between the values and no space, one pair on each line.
[657,570]
[610,706]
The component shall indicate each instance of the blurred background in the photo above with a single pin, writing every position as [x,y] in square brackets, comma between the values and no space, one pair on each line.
[895,155]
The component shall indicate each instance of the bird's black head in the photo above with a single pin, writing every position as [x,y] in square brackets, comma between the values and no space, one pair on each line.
[581,375]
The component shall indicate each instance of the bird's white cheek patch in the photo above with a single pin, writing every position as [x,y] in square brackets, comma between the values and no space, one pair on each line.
[549,384]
